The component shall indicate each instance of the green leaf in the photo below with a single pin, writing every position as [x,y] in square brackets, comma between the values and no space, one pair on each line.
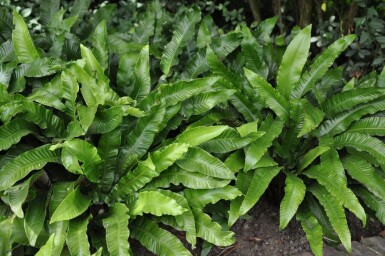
[185,221]
[371,126]
[295,190]
[312,117]
[48,248]
[12,132]
[259,147]
[320,66]
[5,235]
[362,142]
[342,121]
[99,41]
[211,231]
[204,102]
[80,7]
[273,98]
[372,201]
[106,120]
[6,52]
[349,99]
[19,167]
[60,191]
[34,218]
[145,28]
[293,61]
[198,160]
[335,213]
[59,229]
[77,239]
[204,32]
[198,135]
[141,137]
[142,83]
[360,170]
[230,140]
[71,207]
[337,187]
[177,175]
[22,42]
[47,9]
[117,233]
[253,191]
[155,203]
[157,240]
[200,198]
[183,33]
[312,229]
[310,156]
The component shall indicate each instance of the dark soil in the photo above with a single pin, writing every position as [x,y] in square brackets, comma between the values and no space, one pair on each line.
[260,235]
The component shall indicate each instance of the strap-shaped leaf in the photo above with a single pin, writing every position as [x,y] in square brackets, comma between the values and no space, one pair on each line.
[310,156]
[6,52]
[34,218]
[60,191]
[335,213]
[50,95]
[19,167]
[141,137]
[371,125]
[117,233]
[203,102]
[273,98]
[199,198]
[204,32]
[99,41]
[177,176]
[142,83]
[92,64]
[198,135]
[59,229]
[183,33]
[342,121]
[211,231]
[326,176]
[312,117]
[349,99]
[229,141]
[295,190]
[71,207]
[145,28]
[47,9]
[185,221]
[312,229]
[77,239]
[148,169]
[320,66]
[12,132]
[108,150]
[156,239]
[179,91]
[258,148]
[22,42]
[47,248]
[6,224]
[199,160]
[106,120]
[261,180]
[235,162]
[362,142]
[373,202]
[363,172]
[293,61]
[156,203]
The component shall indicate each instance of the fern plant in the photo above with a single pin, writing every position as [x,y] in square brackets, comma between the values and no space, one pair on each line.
[322,140]
[88,161]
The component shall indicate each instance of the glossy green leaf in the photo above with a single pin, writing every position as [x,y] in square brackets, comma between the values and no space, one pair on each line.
[47,249]
[335,213]
[19,167]
[310,156]
[117,233]
[198,135]
[312,229]
[71,207]
[12,132]
[156,239]
[373,202]
[199,198]
[293,61]
[155,203]
[142,83]
[77,239]
[34,218]
[22,42]
[374,126]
